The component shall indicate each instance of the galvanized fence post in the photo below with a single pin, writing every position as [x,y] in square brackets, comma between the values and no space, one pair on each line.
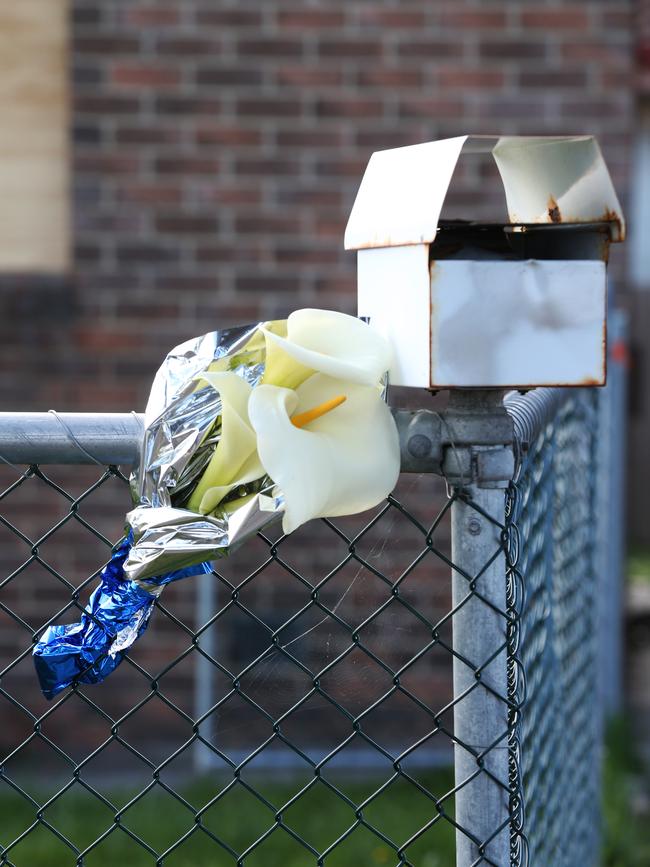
[480,678]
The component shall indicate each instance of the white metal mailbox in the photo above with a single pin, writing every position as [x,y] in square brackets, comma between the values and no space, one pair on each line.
[510,302]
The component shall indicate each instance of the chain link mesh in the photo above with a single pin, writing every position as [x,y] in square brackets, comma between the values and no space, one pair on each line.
[296,707]
[556,725]
[328,739]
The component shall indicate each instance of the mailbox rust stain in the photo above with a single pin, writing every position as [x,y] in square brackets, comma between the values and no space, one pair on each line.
[554,214]
[611,216]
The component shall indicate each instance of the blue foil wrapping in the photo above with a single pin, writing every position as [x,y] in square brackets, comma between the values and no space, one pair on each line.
[117,614]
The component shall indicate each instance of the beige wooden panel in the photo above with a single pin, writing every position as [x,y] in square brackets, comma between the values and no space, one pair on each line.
[34,144]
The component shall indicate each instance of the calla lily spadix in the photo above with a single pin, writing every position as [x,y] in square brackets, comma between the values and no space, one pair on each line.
[344,461]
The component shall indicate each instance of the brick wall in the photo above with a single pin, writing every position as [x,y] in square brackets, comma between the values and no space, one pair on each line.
[217,149]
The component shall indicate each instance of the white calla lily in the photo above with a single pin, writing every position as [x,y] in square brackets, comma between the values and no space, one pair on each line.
[346,457]
[235,461]
[341,346]
[344,462]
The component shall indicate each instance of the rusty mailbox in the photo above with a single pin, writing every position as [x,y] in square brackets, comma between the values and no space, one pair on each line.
[514,301]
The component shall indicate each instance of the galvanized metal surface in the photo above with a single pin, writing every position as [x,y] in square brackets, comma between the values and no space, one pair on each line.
[520,323]
[70,438]
[553,180]
[481,727]
[473,323]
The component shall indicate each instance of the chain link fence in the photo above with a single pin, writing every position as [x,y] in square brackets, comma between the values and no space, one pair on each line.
[308,702]
[556,721]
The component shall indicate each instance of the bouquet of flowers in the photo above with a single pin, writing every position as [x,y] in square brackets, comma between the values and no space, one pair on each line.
[243,426]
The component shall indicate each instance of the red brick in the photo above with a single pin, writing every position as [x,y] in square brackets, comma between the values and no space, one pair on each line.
[108,163]
[308,76]
[341,168]
[145,252]
[147,135]
[186,224]
[428,49]
[189,47]
[505,49]
[154,15]
[145,75]
[309,138]
[346,107]
[380,139]
[110,44]
[226,194]
[565,17]
[190,106]
[432,108]
[306,256]
[263,283]
[152,193]
[186,165]
[190,283]
[313,196]
[550,78]
[210,135]
[214,251]
[618,19]
[229,18]
[227,75]
[392,18]
[619,79]
[616,107]
[390,77]
[269,48]
[86,103]
[510,108]
[476,79]
[257,224]
[98,338]
[474,19]
[307,19]
[353,49]
[268,107]
[598,51]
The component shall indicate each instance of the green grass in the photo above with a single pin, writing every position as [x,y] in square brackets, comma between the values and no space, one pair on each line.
[638,565]
[319,816]
[238,819]
[626,836]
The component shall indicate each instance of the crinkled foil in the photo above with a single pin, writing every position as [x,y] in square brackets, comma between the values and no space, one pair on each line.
[165,542]
[179,440]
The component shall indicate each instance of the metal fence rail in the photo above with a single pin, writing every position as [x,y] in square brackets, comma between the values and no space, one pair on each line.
[343,647]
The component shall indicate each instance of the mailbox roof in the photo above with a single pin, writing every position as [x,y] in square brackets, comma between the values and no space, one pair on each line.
[545,180]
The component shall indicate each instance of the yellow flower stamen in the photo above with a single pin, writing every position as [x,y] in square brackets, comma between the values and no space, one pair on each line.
[304,418]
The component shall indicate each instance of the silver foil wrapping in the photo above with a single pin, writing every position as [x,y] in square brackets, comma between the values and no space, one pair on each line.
[181,433]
